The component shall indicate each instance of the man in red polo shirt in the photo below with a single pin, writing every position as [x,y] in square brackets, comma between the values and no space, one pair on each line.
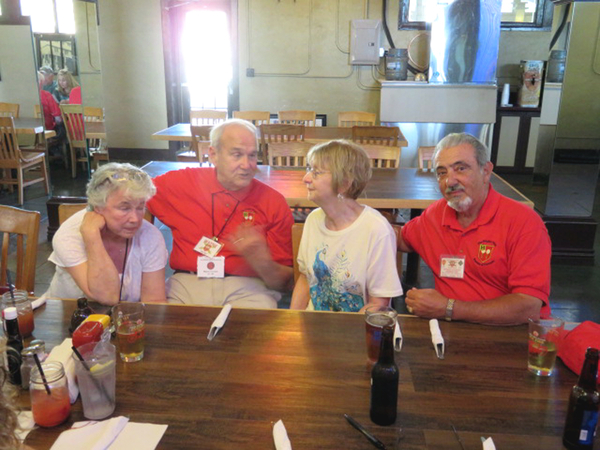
[231,233]
[490,255]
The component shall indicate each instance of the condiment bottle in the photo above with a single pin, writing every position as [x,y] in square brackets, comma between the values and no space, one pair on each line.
[14,344]
[40,348]
[79,315]
[21,301]
[582,415]
[87,332]
[28,363]
[384,381]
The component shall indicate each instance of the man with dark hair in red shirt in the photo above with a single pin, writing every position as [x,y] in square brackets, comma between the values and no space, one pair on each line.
[490,255]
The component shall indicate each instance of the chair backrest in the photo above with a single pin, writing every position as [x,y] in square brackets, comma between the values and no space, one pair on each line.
[276,132]
[93,114]
[26,226]
[256,117]
[288,154]
[354,118]
[201,141]
[425,155]
[73,119]
[66,210]
[296,237]
[207,116]
[375,139]
[37,111]
[10,154]
[298,117]
[9,110]
[397,231]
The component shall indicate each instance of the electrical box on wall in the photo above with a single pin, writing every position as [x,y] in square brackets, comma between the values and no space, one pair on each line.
[365,38]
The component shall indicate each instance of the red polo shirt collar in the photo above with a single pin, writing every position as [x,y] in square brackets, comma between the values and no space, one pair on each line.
[486,214]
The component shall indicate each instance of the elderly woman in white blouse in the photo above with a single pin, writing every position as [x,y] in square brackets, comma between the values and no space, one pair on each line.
[108,252]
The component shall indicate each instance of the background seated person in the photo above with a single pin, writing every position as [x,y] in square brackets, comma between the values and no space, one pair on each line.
[108,251]
[347,255]
[50,83]
[52,116]
[65,85]
[490,255]
[231,233]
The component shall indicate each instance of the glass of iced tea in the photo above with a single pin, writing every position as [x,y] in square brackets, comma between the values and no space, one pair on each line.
[128,318]
[544,335]
[376,318]
[50,399]
[24,310]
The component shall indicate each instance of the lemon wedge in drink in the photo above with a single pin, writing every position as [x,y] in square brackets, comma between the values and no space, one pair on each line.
[100,367]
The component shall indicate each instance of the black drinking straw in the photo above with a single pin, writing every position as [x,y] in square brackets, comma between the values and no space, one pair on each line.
[10,287]
[37,361]
[99,386]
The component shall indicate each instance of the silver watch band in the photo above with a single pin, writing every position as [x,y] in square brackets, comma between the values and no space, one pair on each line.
[449,309]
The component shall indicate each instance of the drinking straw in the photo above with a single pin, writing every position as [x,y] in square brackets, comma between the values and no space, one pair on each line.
[10,287]
[37,361]
[99,386]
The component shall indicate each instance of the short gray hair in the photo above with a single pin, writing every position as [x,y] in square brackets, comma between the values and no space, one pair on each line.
[112,177]
[456,139]
[217,132]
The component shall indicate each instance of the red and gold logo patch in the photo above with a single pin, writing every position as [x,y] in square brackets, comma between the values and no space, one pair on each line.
[249,215]
[486,250]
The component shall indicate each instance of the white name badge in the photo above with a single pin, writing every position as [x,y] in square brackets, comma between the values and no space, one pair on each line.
[211,267]
[452,266]
[208,247]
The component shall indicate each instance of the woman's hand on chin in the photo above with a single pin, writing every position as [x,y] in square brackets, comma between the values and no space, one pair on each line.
[92,223]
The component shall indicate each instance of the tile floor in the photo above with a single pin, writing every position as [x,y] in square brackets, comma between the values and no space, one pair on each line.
[573,295]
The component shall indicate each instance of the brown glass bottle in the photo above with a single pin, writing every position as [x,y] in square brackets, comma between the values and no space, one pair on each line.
[384,382]
[582,415]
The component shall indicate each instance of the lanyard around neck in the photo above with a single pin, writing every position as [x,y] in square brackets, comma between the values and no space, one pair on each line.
[216,236]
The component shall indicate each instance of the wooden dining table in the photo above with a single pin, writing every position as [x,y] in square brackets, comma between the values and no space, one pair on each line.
[405,187]
[32,125]
[181,132]
[308,369]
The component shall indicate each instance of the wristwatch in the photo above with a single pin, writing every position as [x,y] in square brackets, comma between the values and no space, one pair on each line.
[449,309]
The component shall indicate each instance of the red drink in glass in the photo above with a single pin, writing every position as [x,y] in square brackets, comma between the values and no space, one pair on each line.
[50,410]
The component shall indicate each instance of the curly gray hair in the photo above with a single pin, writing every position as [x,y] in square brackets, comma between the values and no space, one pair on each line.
[456,139]
[111,177]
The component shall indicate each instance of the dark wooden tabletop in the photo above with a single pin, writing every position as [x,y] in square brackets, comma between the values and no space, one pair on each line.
[308,369]
[405,187]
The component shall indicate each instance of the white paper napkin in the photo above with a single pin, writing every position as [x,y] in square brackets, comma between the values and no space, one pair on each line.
[26,424]
[219,322]
[62,353]
[436,338]
[140,436]
[91,435]
[398,339]
[38,302]
[280,437]
[488,444]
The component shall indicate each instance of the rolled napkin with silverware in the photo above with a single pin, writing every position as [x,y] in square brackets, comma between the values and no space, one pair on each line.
[219,322]
[398,339]
[280,437]
[436,338]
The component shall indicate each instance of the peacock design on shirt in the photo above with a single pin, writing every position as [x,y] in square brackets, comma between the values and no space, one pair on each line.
[335,289]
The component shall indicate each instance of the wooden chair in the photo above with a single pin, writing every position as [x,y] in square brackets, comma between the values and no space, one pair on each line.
[207,116]
[356,118]
[426,157]
[298,117]
[200,142]
[297,229]
[279,133]
[288,154]
[9,110]
[256,117]
[74,120]
[66,210]
[96,147]
[26,226]
[381,143]
[12,157]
